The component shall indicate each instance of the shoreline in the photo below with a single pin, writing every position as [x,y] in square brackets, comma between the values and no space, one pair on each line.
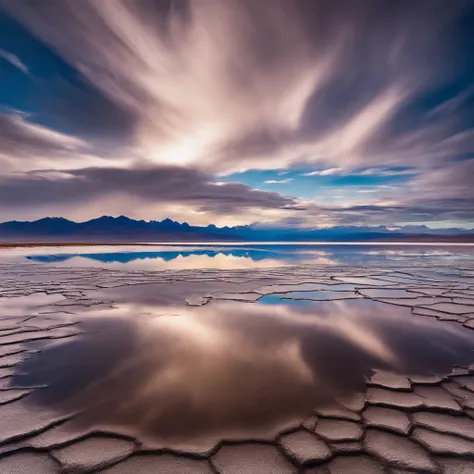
[7,245]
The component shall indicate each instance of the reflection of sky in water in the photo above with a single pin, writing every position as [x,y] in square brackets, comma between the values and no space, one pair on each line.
[228,257]
[227,369]
[156,261]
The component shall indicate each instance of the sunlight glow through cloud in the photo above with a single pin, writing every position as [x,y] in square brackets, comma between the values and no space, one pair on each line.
[319,90]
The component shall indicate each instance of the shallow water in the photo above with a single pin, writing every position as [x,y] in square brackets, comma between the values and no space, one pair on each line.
[100,365]
[230,370]
[222,256]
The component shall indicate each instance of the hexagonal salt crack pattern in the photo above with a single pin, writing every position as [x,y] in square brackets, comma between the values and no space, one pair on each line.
[387,418]
[346,447]
[304,447]
[438,398]
[251,459]
[466,381]
[390,380]
[355,465]
[450,424]
[398,451]
[338,430]
[18,420]
[401,423]
[159,463]
[456,466]
[337,410]
[452,308]
[28,463]
[441,443]
[394,399]
[92,453]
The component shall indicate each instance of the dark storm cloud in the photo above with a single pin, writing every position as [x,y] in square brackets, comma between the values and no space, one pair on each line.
[160,184]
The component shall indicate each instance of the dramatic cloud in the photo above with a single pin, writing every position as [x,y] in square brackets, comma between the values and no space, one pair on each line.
[238,84]
[23,139]
[142,93]
[160,184]
[26,145]
[443,194]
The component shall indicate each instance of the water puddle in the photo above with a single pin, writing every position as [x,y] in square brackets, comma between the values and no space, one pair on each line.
[234,370]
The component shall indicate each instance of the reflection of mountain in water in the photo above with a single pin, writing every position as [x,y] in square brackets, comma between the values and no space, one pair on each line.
[286,253]
[127,257]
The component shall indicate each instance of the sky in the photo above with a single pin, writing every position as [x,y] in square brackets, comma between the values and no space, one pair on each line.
[300,113]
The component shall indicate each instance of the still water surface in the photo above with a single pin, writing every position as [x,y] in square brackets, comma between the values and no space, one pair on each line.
[230,370]
[195,256]
[161,370]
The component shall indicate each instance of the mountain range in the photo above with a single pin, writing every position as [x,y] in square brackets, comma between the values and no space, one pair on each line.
[124,229]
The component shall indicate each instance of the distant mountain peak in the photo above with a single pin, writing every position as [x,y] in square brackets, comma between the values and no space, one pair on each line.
[123,228]
[52,219]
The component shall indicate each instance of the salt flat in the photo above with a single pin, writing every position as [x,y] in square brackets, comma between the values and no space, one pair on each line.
[315,368]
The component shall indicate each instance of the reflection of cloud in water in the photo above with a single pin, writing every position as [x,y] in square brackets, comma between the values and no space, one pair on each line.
[226,256]
[228,369]
[184,259]
[181,262]
[434,254]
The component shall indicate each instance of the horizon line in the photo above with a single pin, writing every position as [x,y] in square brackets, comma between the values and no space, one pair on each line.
[386,226]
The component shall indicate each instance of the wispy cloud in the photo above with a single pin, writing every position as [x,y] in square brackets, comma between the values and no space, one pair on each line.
[26,145]
[15,61]
[157,184]
[238,85]
[325,172]
[387,172]
[256,97]
[278,181]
